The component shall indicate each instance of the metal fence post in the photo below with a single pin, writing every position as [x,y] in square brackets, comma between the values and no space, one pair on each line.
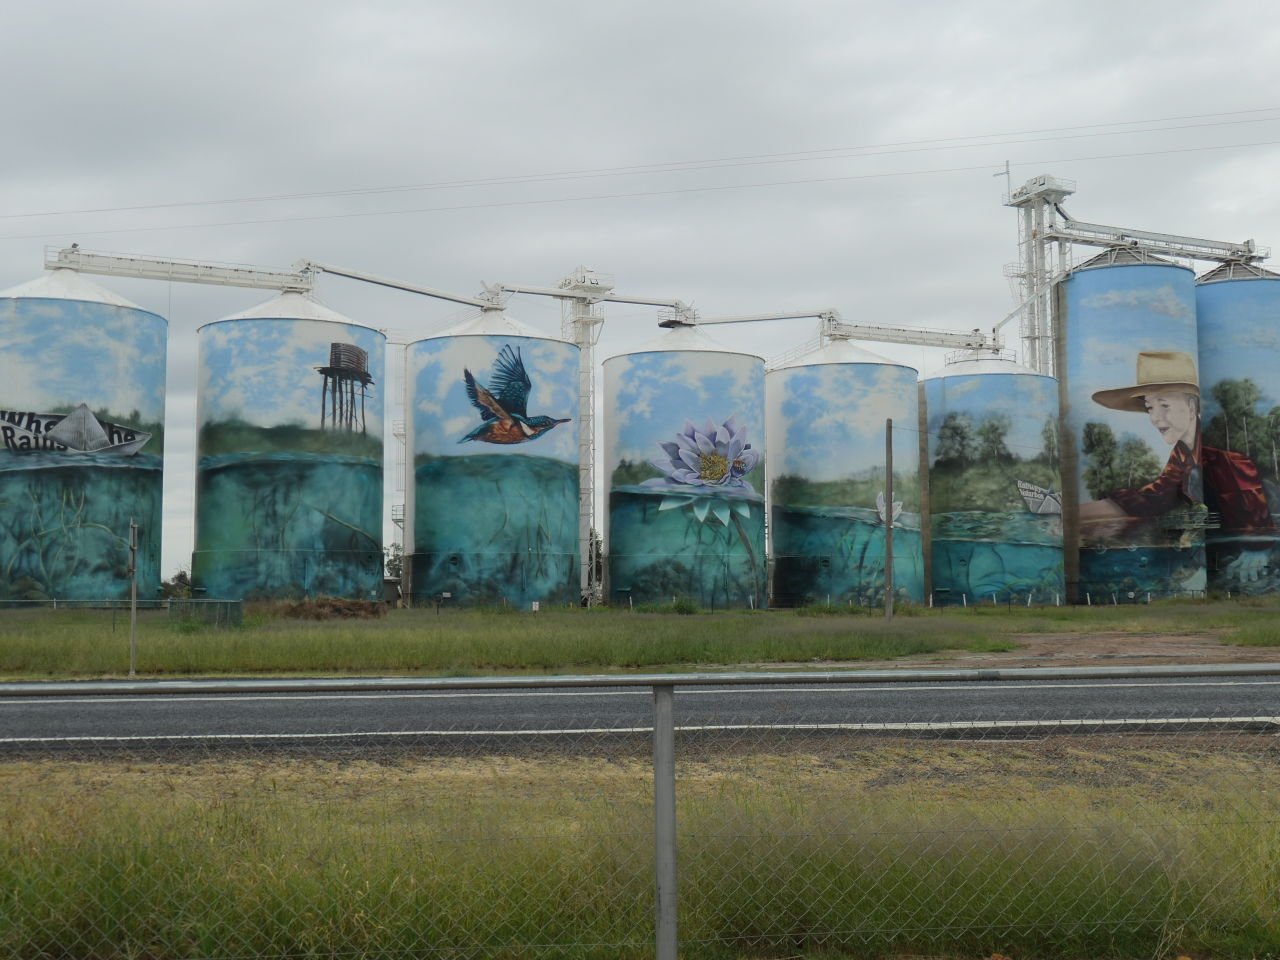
[664,821]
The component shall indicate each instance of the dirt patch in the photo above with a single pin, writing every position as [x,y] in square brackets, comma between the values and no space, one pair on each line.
[1097,649]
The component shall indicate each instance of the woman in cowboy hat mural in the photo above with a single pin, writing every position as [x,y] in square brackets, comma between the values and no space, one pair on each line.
[1168,392]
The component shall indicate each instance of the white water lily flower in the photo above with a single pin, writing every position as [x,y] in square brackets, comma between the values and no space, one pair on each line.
[712,457]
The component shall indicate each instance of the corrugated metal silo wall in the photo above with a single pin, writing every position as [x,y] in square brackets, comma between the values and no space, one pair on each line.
[1133,505]
[684,462]
[94,375]
[289,472]
[995,488]
[827,468]
[495,517]
[1240,381]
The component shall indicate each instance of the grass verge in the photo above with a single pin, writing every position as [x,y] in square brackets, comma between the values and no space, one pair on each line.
[84,643]
[1060,848]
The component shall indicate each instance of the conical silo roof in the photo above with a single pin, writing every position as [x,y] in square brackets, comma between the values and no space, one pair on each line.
[492,323]
[838,351]
[1125,257]
[682,338]
[63,284]
[291,306]
[979,364]
[1237,271]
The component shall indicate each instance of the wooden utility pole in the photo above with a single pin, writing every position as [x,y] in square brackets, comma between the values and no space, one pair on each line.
[888,519]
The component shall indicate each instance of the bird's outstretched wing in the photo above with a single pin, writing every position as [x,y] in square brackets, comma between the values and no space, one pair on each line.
[483,400]
[509,383]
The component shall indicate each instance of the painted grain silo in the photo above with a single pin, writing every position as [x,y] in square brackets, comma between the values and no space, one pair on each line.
[995,483]
[493,517]
[1238,312]
[1134,511]
[684,431]
[289,471]
[82,431]
[826,429]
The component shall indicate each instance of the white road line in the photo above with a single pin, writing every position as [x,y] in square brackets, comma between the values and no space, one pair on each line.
[916,726]
[690,692]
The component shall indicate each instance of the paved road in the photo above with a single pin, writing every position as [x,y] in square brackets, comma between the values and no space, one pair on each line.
[1238,700]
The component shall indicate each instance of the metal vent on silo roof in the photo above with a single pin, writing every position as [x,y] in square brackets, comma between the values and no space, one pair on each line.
[1235,270]
[1123,256]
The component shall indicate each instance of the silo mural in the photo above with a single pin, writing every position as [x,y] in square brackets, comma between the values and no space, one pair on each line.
[1131,450]
[826,427]
[495,466]
[684,454]
[1238,311]
[81,441]
[995,483]
[289,475]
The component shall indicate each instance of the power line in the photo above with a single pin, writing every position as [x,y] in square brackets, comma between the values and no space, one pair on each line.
[684,166]
[633,195]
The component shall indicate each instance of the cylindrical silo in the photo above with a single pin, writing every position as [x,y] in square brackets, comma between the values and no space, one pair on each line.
[1238,312]
[1129,391]
[493,515]
[81,441]
[827,413]
[289,471]
[995,482]
[684,456]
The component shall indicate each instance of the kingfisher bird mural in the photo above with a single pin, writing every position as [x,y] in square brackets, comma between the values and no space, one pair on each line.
[503,405]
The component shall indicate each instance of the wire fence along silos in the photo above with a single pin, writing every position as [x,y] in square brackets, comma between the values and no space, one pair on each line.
[81,441]
[1238,314]
[290,449]
[493,515]
[995,483]
[684,457]
[826,429]
[1134,512]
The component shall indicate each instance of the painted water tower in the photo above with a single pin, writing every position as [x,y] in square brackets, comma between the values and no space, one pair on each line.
[289,471]
[995,482]
[81,441]
[1238,312]
[1134,508]
[684,431]
[493,515]
[827,413]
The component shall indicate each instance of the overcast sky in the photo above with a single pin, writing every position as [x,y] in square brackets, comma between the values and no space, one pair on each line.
[182,111]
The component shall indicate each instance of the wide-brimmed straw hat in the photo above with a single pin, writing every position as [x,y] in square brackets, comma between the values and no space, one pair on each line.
[1157,370]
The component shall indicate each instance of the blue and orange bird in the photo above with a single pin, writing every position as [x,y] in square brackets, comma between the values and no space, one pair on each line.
[503,405]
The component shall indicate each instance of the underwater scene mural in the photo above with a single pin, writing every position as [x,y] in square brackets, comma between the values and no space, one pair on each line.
[495,517]
[1239,324]
[81,448]
[827,469]
[684,456]
[1133,424]
[995,487]
[289,475]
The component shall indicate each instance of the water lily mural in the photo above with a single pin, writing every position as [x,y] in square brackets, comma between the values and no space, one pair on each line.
[713,458]
[686,511]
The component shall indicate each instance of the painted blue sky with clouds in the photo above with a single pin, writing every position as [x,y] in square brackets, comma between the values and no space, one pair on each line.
[827,421]
[1027,400]
[648,398]
[1239,337]
[264,371]
[64,352]
[441,414]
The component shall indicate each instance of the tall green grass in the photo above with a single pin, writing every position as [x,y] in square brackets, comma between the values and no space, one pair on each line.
[923,849]
[46,643]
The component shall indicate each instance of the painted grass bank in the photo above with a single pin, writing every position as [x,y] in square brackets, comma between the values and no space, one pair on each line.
[83,643]
[1062,848]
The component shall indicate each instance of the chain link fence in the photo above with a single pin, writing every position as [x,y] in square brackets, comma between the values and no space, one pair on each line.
[808,822]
